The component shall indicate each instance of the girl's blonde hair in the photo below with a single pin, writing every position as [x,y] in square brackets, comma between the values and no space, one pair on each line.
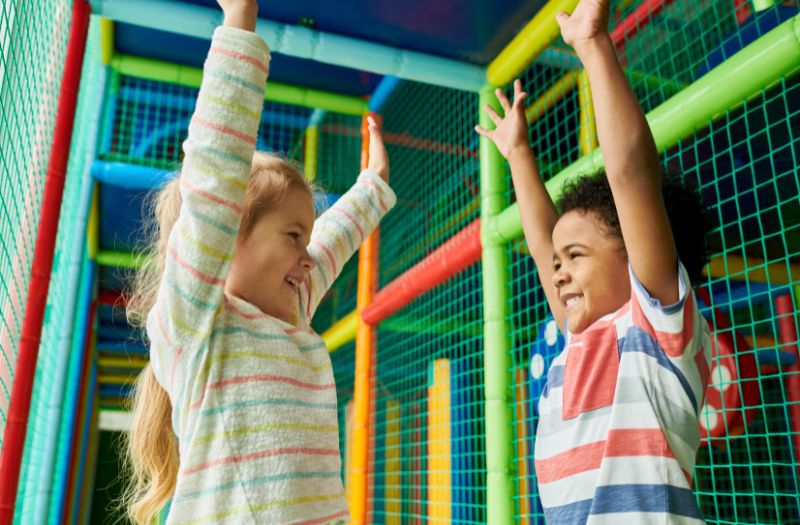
[151,446]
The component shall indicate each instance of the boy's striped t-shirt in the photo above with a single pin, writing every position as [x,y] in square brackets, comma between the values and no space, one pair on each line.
[618,430]
[253,397]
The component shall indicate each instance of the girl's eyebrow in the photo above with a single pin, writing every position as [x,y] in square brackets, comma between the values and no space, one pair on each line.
[300,225]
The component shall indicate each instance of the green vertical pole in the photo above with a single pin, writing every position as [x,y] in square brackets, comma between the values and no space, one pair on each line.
[496,314]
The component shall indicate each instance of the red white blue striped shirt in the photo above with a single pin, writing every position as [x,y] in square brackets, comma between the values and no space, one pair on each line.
[618,430]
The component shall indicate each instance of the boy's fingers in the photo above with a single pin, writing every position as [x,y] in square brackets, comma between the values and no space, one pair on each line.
[483,132]
[501,97]
[519,100]
[493,115]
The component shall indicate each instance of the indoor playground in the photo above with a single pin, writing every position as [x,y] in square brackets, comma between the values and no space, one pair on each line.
[438,329]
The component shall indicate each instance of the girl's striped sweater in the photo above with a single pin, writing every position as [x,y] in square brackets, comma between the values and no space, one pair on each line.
[254,399]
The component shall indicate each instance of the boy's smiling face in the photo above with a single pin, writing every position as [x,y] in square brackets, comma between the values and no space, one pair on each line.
[590,269]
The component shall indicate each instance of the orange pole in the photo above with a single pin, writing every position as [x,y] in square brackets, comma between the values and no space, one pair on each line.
[365,344]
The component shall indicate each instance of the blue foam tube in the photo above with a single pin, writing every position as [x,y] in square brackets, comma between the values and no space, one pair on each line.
[121,348]
[382,93]
[129,176]
[71,415]
[55,357]
[302,42]
[85,436]
[317,116]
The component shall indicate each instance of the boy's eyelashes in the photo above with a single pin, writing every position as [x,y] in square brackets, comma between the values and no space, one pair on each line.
[570,255]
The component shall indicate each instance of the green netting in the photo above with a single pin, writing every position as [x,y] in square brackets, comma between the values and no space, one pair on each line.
[343,360]
[150,120]
[428,441]
[745,165]
[428,433]
[47,447]
[339,152]
[33,38]
[338,165]
[433,152]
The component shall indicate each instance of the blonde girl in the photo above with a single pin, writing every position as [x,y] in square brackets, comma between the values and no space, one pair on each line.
[235,418]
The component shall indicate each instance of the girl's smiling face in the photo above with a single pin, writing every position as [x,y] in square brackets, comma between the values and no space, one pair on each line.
[590,269]
[271,262]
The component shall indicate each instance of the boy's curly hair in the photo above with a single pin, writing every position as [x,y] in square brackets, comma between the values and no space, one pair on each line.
[687,213]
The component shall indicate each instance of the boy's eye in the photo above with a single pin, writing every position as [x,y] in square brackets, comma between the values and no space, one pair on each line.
[556,266]
[575,254]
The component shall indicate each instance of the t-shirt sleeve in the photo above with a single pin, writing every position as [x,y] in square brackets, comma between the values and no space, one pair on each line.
[673,326]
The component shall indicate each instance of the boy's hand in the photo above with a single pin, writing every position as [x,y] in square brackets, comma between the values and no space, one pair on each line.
[511,131]
[378,158]
[588,21]
[241,14]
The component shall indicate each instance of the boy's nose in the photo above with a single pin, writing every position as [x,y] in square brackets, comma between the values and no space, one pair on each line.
[560,277]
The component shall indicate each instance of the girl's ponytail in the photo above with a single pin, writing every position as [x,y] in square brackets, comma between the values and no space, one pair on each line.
[152,451]
[151,445]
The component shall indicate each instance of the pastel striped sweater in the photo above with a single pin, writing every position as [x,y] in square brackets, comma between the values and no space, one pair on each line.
[254,399]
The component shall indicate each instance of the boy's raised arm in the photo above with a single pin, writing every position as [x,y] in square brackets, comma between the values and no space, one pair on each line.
[538,214]
[630,154]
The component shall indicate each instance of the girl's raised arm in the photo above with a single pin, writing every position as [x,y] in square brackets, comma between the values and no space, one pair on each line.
[340,230]
[213,181]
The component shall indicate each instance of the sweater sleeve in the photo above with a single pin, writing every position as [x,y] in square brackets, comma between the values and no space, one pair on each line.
[213,182]
[340,230]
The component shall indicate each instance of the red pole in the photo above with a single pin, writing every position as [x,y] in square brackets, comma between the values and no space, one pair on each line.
[787,335]
[460,252]
[19,406]
[637,20]
[742,8]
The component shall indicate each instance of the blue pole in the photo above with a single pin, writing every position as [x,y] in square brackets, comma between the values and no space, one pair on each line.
[383,93]
[302,42]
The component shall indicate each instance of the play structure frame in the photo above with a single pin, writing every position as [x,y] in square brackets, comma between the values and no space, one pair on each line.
[690,109]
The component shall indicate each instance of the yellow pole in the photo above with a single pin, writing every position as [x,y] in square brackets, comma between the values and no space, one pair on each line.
[106,41]
[311,152]
[439,463]
[549,98]
[588,134]
[393,463]
[522,440]
[342,332]
[753,269]
[539,33]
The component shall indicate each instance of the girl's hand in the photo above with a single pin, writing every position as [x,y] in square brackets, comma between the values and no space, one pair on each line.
[378,158]
[241,14]
[588,22]
[511,132]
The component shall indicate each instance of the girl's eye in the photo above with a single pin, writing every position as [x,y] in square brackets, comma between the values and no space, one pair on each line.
[294,235]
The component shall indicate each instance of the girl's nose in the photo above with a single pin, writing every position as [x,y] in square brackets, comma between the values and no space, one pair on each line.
[306,261]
